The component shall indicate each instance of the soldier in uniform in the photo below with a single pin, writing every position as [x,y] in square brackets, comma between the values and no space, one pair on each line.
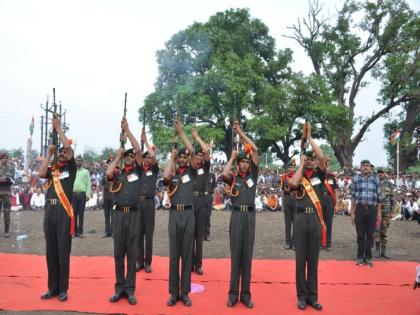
[309,227]
[202,164]
[210,187]
[288,203]
[108,198]
[126,217]
[388,203]
[7,174]
[59,225]
[242,221]
[149,172]
[180,175]
[329,201]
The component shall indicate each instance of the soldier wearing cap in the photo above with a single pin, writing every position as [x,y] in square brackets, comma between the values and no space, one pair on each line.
[366,203]
[329,201]
[288,203]
[108,199]
[180,175]
[388,203]
[126,186]
[242,221]
[202,164]
[309,227]
[59,217]
[7,174]
[149,172]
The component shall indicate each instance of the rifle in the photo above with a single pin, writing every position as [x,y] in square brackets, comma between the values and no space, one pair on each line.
[54,132]
[123,137]
[236,143]
[175,138]
[304,139]
[144,128]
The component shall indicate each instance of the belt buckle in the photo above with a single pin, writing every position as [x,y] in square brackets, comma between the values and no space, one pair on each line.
[308,210]
[244,208]
[126,209]
[53,202]
[179,207]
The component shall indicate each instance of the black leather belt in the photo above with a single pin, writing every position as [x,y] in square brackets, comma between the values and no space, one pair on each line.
[181,207]
[243,208]
[53,202]
[144,197]
[199,194]
[307,210]
[126,209]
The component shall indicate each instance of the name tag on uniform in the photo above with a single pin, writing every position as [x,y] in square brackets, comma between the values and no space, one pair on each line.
[200,171]
[185,178]
[149,173]
[315,181]
[64,174]
[250,183]
[132,178]
[330,181]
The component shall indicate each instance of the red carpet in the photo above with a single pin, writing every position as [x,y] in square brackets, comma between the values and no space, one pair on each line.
[344,288]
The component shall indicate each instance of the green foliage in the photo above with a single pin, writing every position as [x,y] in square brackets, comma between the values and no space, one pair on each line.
[333,164]
[107,153]
[90,155]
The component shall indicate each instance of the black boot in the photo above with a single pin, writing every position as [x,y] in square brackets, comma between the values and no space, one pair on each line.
[6,231]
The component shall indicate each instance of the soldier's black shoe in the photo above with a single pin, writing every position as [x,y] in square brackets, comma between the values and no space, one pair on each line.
[247,303]
[116,297]
[106,235]
[384,255]
[288,247]
[62,297]
[139,266]
[186,300]
[199,270]
[231,303]
[301,305]
[360,261]
[369,262]
[148,269]
[315,305]
[48,295]
[132,299]
[207,238]
[172,300]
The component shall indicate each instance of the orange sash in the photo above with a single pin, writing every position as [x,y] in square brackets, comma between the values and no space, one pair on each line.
[63,198]
[315,200]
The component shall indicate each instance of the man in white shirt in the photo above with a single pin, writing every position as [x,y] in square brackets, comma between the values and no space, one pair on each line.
[38,200]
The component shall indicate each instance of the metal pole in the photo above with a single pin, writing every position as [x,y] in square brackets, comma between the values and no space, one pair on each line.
[398,163]
[42,135]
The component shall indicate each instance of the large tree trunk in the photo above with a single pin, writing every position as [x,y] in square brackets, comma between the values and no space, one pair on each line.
[343,151]
[408,155]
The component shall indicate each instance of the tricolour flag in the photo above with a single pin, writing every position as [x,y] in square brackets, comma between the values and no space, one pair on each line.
[395,137]
[32,125]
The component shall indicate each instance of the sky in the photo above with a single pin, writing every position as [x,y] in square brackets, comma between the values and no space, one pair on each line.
[93,51]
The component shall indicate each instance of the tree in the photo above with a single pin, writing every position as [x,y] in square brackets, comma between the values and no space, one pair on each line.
[90,155]
[405,121]
[209,73]
[350,50]
[107,153]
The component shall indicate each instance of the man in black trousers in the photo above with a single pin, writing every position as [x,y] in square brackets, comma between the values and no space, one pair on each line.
[288,204]
[200,200]
[59,225]
[127,217]
[149,173]
[180,175]
[309,227]
[242,221]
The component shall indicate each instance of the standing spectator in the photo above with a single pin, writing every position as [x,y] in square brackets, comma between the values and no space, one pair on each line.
[108,202]
[7,174]
[82,190]
[366,205]
[38,200]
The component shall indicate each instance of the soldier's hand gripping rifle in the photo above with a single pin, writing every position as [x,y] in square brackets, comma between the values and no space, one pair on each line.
[123,136]
[304,139]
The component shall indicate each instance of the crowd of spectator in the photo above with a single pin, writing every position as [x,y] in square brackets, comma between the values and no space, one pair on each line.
[28,192]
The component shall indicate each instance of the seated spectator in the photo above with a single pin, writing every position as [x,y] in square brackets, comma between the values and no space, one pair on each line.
[38,200]
[272,202]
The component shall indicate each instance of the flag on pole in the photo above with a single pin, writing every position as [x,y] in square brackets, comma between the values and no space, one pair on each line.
[395,137]
[32,125]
